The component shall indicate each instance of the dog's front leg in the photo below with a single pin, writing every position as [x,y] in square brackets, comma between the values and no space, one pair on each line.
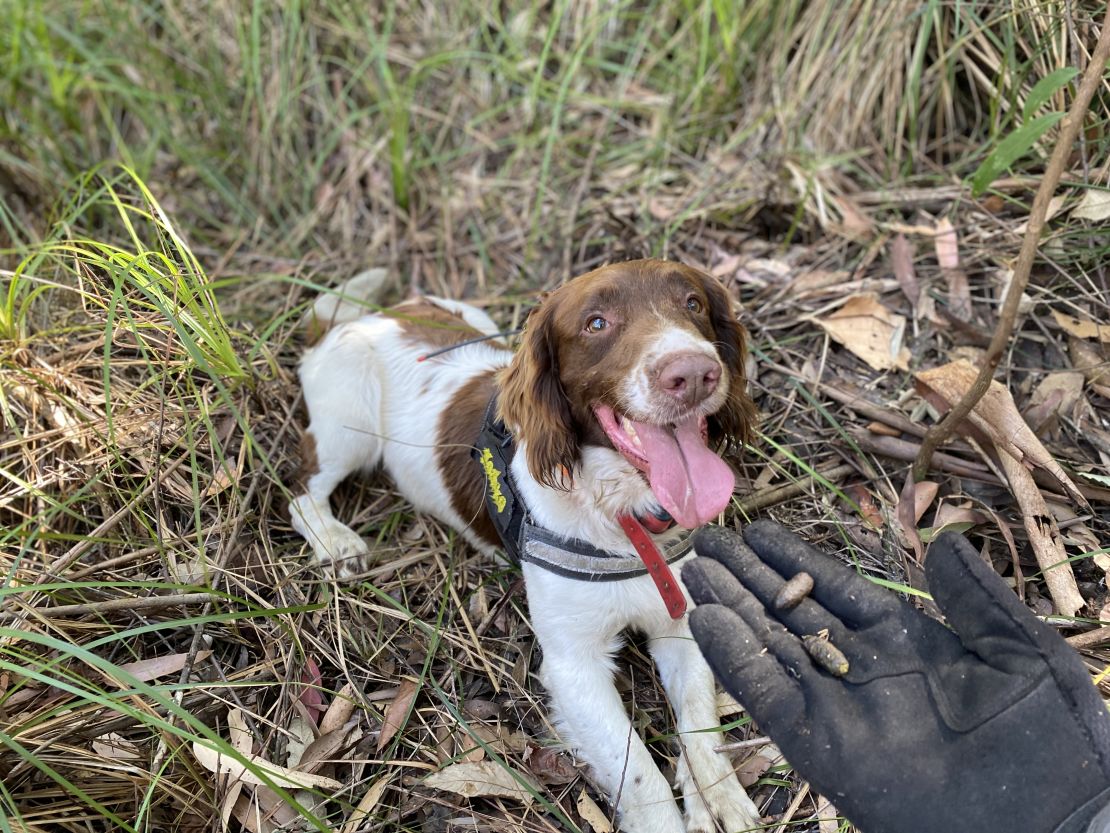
[579,641]
[710,789]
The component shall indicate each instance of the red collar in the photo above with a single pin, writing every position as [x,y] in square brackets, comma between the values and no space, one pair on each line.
[657,567]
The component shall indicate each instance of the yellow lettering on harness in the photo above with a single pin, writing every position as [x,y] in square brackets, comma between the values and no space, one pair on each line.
[493,477]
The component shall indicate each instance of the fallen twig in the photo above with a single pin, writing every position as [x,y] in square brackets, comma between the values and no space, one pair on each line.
[777,494]
[898,449]
[1090,639]
[1069,129]
[737,745]
[143,603]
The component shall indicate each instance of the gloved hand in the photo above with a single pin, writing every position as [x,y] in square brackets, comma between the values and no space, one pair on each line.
[991,726]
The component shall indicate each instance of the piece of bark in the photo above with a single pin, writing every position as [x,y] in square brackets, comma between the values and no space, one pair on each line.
[1044,537]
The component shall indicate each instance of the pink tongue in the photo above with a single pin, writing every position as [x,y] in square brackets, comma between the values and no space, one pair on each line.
[689,480]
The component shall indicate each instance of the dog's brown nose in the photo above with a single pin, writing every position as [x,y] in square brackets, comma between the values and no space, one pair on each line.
[689,377]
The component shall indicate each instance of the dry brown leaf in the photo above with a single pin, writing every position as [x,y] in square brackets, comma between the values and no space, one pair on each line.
[592,814]
[550,765]
[901,259]
[325,747]
[251,816]
[948,514]
[923,497]
[240,736]
[754,767]
[947,245]
[817,279]
[906,526]
[367,804]
[116,747]
[870,331]
[484,778]
[216,761]
[997,416]
[854,224]
[1095,205]
[1089,360]
[340,710]
[397,711]
[155,667]
[1056,394]
[468,748]
[1082,327]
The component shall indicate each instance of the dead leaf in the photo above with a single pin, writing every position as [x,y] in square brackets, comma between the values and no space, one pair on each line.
[870,331]
[116,747]
[397,711]
[997,416]
[219,762]
[907,523]
[866,503]
[240,736]
[1088,360]
[1095,205]
[551,765]
[155,667]
[753,768]
[807,283]
[367,804]
[923,496]
[484,778]
[592,814]
[1082,327]
[251,816]
[324,748]
[310,691]
[467,748]
[854,224]
[947,245]
[901,259]
[951,515]
[1056,394]
[340,710]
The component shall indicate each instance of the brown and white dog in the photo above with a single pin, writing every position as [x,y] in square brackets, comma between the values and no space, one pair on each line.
[625,377]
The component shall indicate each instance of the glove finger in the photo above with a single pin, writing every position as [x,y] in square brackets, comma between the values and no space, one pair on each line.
[728,548]
[847,595]
[711,583]
[748,672]
[992,622]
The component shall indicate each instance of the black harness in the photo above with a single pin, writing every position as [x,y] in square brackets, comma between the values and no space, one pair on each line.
[525,541]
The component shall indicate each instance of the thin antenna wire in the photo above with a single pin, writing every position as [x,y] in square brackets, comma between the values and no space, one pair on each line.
[476,340]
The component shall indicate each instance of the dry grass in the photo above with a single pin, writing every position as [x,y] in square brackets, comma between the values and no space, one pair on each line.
[148,341]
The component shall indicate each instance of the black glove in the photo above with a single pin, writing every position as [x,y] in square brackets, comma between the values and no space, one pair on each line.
[991,726]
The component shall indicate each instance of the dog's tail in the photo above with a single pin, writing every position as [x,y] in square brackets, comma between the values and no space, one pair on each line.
[357,297]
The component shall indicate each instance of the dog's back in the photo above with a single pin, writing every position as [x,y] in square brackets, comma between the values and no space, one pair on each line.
[375,397]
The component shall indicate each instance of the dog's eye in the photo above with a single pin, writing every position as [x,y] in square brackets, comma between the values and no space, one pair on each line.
[693,303]
[596,324]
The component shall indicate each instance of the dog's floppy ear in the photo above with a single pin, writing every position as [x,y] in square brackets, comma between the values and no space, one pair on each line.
[737,417]
[533,404]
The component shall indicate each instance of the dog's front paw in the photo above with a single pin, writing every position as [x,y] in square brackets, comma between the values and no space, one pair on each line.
[343,553]
[724,806]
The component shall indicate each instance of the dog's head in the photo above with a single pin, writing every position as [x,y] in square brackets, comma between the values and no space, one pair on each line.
[646,358]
